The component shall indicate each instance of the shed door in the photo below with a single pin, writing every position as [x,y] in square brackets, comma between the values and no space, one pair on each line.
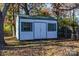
[40,30]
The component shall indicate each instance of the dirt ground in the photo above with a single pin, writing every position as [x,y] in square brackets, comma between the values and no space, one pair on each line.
[40,47]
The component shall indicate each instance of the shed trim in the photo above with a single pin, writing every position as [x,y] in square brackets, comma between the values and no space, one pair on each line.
[37,17]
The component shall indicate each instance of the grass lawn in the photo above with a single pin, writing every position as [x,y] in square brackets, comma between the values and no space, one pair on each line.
[40,47]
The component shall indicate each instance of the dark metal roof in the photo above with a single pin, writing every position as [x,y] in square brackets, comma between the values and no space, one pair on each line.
[37,17]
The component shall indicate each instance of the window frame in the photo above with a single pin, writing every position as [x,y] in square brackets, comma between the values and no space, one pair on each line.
[29,26]
[51,29]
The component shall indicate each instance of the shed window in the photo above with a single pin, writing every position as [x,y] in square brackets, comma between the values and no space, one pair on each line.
[52,27]
[26,26]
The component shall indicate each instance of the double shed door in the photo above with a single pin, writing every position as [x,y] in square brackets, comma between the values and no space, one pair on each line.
[40,30]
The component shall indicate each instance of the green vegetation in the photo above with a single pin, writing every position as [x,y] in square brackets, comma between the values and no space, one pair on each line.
[67,22]
[7,27]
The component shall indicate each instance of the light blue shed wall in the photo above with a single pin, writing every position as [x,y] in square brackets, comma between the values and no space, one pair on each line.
[30,35]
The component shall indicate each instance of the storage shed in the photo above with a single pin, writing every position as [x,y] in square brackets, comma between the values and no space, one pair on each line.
[35,27]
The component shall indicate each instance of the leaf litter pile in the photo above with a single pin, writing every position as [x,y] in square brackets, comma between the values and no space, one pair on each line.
[41,48]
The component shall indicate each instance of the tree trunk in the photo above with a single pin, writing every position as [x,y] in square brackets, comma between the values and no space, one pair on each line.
[2,16]
[13,31]
[2,42]
[26,9]
[13,25]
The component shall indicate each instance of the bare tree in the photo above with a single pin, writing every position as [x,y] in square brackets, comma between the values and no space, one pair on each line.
[2,16]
